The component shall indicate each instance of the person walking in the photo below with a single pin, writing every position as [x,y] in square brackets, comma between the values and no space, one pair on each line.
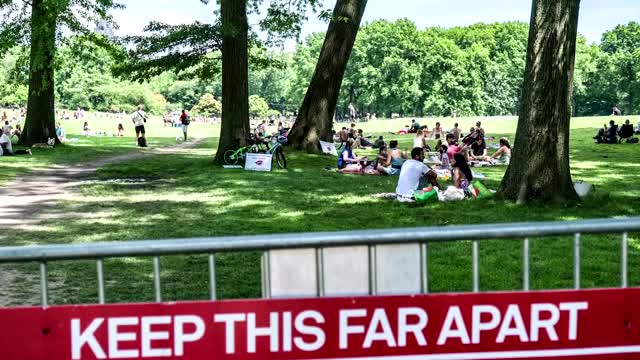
[184,120]
[139,119]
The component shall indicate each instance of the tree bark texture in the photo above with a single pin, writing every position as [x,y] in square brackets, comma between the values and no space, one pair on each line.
[40,123]
[235,77]
[315,117]
[539,168]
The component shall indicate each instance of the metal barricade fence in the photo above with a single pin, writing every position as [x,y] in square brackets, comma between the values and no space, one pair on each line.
[371,238]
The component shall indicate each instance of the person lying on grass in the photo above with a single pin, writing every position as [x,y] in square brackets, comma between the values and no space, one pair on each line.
[414,175]
[361,140]
[393,161]
[347,161]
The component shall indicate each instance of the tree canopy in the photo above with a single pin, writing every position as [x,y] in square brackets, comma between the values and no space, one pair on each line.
[394,68]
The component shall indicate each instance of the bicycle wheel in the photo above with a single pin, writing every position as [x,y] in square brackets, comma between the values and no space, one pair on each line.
[230,157]
[280,159]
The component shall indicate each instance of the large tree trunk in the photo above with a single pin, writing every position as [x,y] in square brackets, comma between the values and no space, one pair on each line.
[235,77]
[315,117]
[40,124]
[539,167]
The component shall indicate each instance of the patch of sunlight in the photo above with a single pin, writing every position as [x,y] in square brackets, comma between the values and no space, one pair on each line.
[634,243]
[348,200]
[130,260]
[248,203]
[589,165]
[626,193]
[568,218]
[620,164]
[102,221]
[37,228]
[291,214]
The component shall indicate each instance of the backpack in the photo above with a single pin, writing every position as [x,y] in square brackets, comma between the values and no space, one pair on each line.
[632,140]
[142,141]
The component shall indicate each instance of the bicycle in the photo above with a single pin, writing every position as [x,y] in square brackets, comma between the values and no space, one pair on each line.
[232,157]
[275,149]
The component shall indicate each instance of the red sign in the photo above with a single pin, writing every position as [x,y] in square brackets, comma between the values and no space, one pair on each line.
[594,324]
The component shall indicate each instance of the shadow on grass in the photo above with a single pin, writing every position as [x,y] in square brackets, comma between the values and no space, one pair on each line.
[187,196]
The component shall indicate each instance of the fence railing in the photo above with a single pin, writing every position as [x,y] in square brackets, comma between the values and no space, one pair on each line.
[43,254]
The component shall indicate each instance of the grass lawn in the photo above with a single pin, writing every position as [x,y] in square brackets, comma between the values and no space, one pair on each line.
[81,148]
[185,195]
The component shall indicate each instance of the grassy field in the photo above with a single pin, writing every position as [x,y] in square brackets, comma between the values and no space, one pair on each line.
[80,148]
[185,195]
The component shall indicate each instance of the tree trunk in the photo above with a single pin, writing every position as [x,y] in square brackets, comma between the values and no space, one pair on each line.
[40,124]
[235,77]
[539,167]
[315,117]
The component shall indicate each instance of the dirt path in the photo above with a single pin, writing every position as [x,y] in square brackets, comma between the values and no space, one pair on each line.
[30,199]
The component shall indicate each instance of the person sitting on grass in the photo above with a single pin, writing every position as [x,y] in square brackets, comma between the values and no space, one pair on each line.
[348,162]
[456,131]
[626,131]
[438,132]
[479,128]
[379,144]
[60,133]
[18,131]
[611,135]
[6,149]
[503,155]
[415,126]
[393,161]
[637,129]
[462,175]
[120,131]
[419,140]
[414,175]
[478,150]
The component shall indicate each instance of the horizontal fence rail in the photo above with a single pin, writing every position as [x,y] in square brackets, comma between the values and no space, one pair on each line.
[316,240]
[43,254]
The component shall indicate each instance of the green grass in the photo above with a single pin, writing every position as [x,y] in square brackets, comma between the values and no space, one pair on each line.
[187,196]
[81,148]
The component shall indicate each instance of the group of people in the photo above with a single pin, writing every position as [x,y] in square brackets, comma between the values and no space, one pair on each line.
[6,147]
[455,157]
[613,134]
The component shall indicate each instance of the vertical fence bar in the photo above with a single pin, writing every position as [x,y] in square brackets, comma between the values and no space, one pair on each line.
[44,284]
[475,266]
[319,272]
[212,277]
[266,275]
[424,268]
[576,261]
[624,261]
[525,264]
[156,278]
[373,271]
[100,271]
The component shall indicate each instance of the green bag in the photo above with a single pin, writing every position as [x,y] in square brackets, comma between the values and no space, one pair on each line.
[483,192]
[425,197]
